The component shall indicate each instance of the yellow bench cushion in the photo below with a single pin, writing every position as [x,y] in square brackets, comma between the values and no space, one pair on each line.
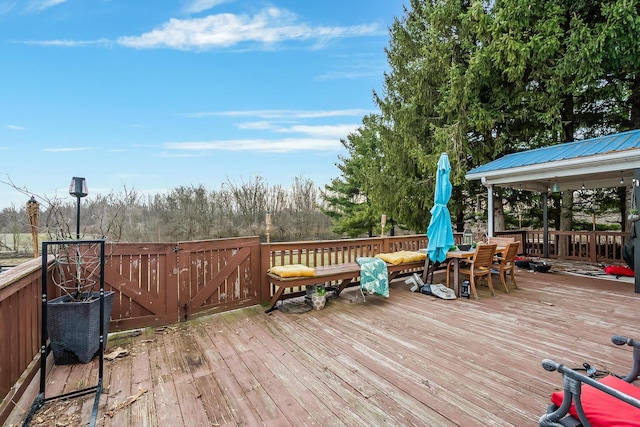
[292,270]
[400,257]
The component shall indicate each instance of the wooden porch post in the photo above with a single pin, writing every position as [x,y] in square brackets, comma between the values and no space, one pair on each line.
[490,213]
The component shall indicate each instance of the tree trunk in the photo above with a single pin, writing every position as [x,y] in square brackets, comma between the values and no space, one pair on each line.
[624,200]
[498,214]
[634,100]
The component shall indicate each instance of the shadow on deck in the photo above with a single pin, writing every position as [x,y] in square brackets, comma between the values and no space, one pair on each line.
[408,360]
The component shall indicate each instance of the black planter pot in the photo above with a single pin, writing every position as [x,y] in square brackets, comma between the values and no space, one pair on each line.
[74,327]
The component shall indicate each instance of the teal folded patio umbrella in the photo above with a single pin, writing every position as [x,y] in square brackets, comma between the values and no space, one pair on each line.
[439,233]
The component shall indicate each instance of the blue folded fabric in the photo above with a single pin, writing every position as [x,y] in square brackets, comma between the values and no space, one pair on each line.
[374,277]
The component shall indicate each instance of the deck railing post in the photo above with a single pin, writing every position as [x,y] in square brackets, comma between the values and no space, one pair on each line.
[593,246]
[265,264]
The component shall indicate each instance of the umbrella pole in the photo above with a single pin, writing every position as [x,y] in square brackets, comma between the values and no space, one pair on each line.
[431,268]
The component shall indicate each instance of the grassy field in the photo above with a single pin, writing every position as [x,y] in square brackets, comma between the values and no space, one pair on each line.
[12,262]
[16,249]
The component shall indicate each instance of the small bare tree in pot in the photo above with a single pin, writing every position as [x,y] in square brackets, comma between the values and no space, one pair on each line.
[76,266]
[73,319]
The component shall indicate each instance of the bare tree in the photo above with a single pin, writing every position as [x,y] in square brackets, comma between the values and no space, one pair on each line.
[188,213]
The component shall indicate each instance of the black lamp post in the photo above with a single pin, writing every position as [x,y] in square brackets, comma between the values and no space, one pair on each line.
[78,188]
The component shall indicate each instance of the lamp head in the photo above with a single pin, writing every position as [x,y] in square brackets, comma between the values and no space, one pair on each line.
[78,187]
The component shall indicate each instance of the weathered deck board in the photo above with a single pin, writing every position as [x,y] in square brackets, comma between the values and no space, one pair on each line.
[408,360]
[143,414]
[164,392]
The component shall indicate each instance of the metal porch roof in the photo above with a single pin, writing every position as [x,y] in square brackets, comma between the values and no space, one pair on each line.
[595,163]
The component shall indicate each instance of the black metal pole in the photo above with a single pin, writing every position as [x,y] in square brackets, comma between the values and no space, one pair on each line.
[78,220]
[545,221]
[636,229]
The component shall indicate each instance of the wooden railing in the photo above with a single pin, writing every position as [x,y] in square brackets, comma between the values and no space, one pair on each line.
[590,246]
[20,319]
[330,252]
[163,283]
[154,284]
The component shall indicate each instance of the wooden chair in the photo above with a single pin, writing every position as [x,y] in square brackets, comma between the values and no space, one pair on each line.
[478,266]
[500,241]
[507,264]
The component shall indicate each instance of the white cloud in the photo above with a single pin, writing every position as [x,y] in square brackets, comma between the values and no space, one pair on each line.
[14,127]
[335,131]
[69,43]
[286,114]
[197,6]
[67,149]
[270,26]
[6,6]
[260,145]
[262,125]
[40,5]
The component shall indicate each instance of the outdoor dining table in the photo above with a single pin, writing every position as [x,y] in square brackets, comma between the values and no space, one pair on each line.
[455,257]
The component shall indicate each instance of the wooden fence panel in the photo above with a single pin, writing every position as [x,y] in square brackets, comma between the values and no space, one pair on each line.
[221,274]
[144,277]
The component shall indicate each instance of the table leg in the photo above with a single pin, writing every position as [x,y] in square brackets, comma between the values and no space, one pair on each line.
[425,272]
[456,276]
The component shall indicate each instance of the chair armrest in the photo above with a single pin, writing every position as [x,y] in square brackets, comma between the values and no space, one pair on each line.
[635,369]
[574,395]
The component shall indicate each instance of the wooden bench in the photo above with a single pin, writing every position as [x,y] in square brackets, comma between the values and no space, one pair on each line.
[346,274]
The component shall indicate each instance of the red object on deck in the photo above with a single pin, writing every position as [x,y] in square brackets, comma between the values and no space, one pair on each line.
[619,270]
[604,410]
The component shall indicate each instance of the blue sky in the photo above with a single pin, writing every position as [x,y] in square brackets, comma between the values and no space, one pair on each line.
[155,94]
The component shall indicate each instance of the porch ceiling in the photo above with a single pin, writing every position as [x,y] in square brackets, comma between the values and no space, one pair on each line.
[593,163]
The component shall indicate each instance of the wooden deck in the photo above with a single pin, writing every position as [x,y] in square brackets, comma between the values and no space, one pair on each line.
[410,360]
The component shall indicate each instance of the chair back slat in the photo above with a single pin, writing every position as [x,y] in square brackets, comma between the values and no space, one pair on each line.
[500,241]
[511,252]
[483,257]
